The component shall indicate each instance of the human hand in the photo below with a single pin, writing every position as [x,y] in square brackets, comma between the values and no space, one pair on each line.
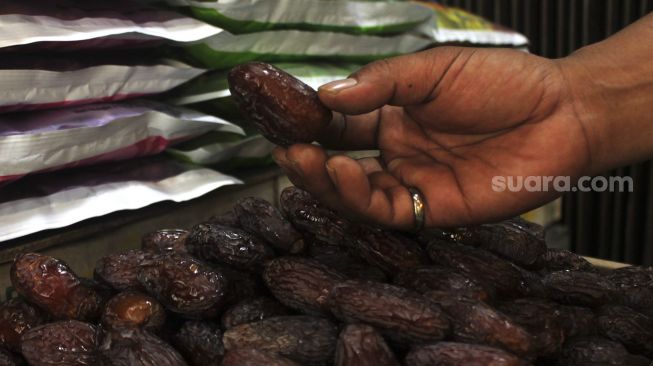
[446,121]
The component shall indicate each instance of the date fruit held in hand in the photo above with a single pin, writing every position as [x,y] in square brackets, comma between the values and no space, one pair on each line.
[51,285]
[68,342]
[362,345]
[284,109]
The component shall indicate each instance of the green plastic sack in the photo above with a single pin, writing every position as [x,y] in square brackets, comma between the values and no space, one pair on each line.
[357,17]
[227,50]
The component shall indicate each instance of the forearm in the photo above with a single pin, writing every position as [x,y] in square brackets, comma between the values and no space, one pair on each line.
[611,91]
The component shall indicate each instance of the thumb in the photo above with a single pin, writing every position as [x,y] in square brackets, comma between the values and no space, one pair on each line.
[400,81]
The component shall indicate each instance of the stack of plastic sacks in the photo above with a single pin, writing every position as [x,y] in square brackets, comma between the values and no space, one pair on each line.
[69,73]
[315,40]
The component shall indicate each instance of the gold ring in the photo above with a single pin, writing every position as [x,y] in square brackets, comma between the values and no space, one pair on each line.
[418,208]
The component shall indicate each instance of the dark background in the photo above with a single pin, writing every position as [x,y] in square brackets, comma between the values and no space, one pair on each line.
[616,226]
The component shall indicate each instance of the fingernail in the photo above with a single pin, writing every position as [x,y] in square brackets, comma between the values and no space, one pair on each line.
[332,173]
[296,169]
[337,86]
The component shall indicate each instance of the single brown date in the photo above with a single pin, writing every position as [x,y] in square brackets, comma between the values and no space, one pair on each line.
[16,317]
[251,310]
[51,285]
[133,310]
[362,345]
[435,278]
[301,283]
[632,277]
[136,347]
[165,240]
[459,354]
[402,315]
[68,342]
[310,216]
[387,250]
[184,284]
[480,264]
[258,217]
[255,357]
[579,288]
[350,267]
[560,259]
[476,322]
[632,329]
[284,109]
[120,270]
[226,245]
[301,338]
[591,351]
[200,343]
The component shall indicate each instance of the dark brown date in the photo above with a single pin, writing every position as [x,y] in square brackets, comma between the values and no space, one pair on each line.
[310,216]
[137,347]
[474,321]
[579,288]
[541,318]
[51,285]
[227,218]
[301,338]
[255,357]
[165,240]
[479,264]
[133,310]
[16,317]
[230,246]
[387,250]
[284,109]
[200,343]
[362,345]
[435,278]
[632,277]
[301,283]
[184,285]
[459,354]
[560,259]
[632,329]
[351,268]
[577,321]
[402,315]
[242,285]
[251,310]
[120,270]
[258,217]
[591,351]
[68,342]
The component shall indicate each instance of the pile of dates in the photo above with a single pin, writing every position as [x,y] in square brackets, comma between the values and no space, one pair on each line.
[302,285]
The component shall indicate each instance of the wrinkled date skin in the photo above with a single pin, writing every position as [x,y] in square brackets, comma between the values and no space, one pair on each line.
[258,217]
[351,268]
[541,318]
[284,109]
[226,245]
[51,285]
[242,285]
[434,278]
[560,259]
[577,321]
[251,310]
[227,218]
[481,264]
[458,354]
[255,357]
[68,342]
[16,317]
[589,351]
[579,288]
[476,322]
[402,315]
[120,270]
[635,286]
[389,251]
[362,345]
[200,343]
[310,216]
[133,310]
[301,283]
[184,284]
[137,347]
[165,240]
[632,329]
[301,338]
